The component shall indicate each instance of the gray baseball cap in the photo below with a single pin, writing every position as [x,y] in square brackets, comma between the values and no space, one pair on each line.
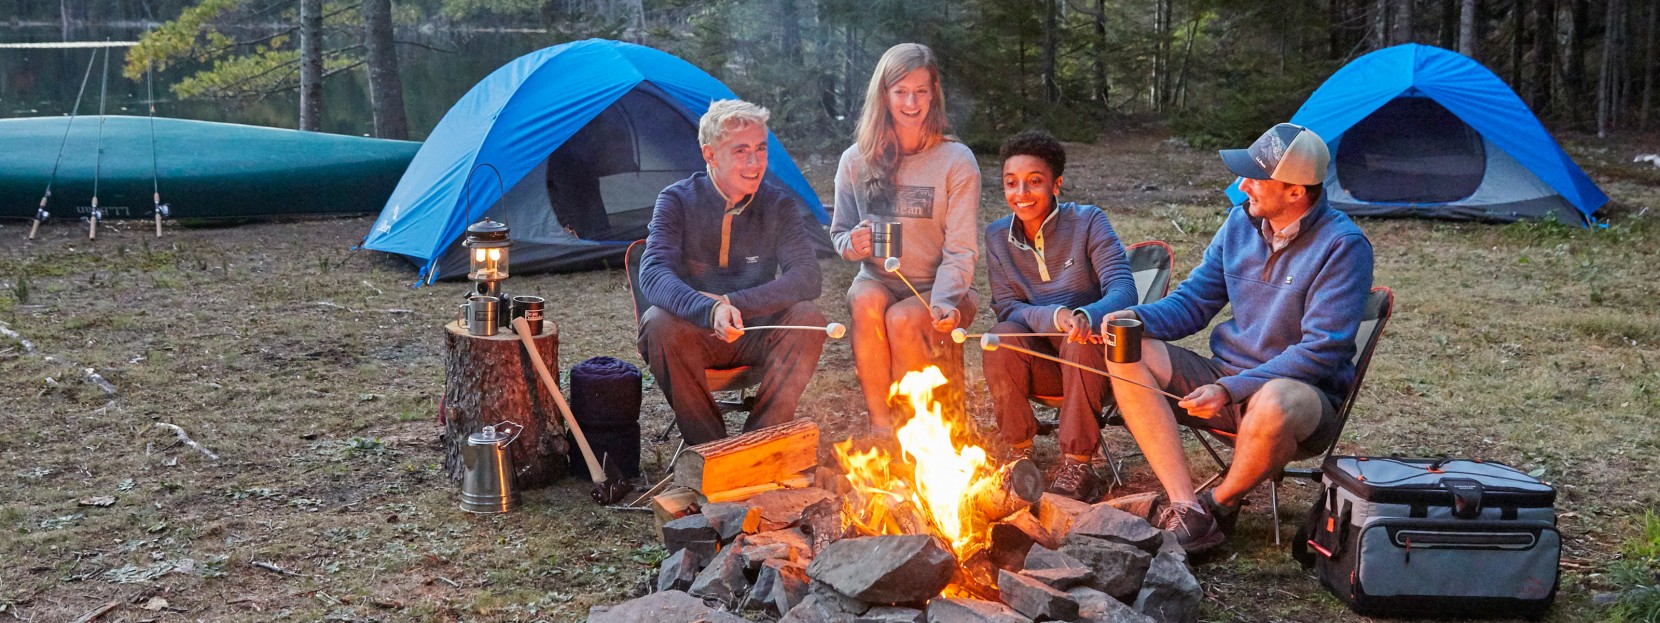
[1287,153]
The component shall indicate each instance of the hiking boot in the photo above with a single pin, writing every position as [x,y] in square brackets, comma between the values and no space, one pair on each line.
[1226,518]
[1196,530]
[1075,479]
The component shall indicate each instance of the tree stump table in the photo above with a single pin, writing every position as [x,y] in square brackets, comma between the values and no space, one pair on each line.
[490,379]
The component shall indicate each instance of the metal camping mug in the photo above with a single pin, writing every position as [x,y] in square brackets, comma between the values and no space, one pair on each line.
[887,239]
[487,478]
[1123,337]
[530,308]
[481,314]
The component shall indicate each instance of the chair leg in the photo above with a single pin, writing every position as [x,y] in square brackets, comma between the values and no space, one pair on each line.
[1274,507]
[669,471]
[1112,464]
[668,430]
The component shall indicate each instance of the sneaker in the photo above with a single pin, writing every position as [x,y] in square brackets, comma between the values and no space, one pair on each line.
[1195,529]
[1226,518]
[1075,479]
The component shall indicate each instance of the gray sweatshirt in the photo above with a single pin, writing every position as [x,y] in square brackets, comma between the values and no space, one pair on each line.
[937,203]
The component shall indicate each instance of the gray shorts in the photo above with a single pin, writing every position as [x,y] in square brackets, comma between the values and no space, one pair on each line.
[1189,371]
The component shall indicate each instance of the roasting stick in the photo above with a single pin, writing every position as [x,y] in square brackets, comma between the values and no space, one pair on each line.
[960,335]
[892,266]
[990,341]
[835,329]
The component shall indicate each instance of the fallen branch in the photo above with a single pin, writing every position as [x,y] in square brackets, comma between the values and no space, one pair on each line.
[190,442]
[97,612]
[92,375]
[277,570]
[448,581]
[6,330]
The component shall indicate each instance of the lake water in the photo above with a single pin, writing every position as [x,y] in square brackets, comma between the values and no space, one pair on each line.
[436,73]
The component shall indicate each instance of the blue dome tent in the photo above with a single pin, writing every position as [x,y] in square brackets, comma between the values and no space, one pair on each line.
[1416,130]
[583,136]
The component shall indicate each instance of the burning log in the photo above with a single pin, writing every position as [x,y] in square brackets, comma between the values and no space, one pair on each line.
[762,457]
[1014,487]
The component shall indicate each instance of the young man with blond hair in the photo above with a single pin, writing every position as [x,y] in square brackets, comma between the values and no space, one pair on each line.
[726,248]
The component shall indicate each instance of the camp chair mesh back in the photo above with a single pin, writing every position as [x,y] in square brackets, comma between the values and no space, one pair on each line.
[720,379]
[1380,305]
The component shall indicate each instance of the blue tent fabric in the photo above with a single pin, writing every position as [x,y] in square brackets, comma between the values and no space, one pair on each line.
[518,115]
[1463,86]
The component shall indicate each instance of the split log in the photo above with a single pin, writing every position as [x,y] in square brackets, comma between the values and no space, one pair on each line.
[671,505]
[770,455]
[1014,487]
[490,379]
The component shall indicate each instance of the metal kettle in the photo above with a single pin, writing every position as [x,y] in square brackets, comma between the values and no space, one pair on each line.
[487,479]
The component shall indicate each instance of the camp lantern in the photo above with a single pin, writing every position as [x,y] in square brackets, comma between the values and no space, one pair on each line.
[487,246]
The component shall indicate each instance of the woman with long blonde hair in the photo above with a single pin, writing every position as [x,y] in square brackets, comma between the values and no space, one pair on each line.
[904,169]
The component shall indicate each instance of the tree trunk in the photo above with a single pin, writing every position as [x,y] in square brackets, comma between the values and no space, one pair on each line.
[1380,24]
[1448,32]
[491,379]
[1102,90]
[850,94]
[1402,23]
[1606,78]
[1573,72]
[1544,56]
[1334,29]
[789,19]
[1051,88]
[1648,64]
[385,81]
[311,65]
[1187,54]
[1467,43]
[1518,43]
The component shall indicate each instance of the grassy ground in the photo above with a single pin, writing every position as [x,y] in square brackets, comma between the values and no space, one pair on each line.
[315,373]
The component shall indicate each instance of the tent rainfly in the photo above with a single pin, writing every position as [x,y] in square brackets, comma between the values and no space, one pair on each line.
[1416,130]
[568,145]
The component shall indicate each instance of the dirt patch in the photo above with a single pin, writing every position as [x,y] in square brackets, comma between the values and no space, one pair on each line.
[314,372]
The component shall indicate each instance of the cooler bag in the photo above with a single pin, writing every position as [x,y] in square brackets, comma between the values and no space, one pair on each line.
[1433,537]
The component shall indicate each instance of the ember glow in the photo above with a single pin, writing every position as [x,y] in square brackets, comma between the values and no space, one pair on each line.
[926,489]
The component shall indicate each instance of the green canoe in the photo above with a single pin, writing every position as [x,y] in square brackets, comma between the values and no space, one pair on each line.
[205,169]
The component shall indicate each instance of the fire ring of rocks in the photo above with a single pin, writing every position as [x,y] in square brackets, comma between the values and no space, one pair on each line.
[1059,560]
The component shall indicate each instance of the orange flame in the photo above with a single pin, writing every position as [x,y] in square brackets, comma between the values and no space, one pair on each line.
[930,479]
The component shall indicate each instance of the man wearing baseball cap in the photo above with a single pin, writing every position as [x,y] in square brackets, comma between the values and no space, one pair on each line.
[1297,274]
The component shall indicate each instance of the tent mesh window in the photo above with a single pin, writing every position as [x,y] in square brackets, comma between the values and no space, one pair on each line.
[1412,150]
[603,182]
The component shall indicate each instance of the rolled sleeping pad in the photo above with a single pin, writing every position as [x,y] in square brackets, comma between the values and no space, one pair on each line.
[605,400]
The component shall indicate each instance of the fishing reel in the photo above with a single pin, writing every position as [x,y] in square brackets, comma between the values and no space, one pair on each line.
[41,214]
[163,210]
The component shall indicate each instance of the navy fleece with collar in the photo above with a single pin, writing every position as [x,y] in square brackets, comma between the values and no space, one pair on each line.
[762,261]
[1295,312]
[1087,267]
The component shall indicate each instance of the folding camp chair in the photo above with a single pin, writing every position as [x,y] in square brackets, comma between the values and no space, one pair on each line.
[739,379]
[1379,306]
[1150,264]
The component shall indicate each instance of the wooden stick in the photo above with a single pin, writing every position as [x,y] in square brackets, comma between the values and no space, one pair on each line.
[744,493]
[189,442]
[522,328]
[1079,366]
[97,612]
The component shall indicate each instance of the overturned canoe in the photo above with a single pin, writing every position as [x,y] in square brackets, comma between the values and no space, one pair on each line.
[205,169]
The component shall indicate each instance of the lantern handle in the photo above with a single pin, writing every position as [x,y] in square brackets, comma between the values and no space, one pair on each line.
[501,191]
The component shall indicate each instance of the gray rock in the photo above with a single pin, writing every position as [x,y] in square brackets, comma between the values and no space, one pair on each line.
[731,519]
[1172,546]
[800,548]
[950,610]
[829,597]
[723,579]
[825,522]
[885,569]
[693,527]
[1035,599]
[753,555]
[1061,578]
[782,508]
[811,610]
[891,614]
[1044,558]
[779,586]
[1097,607]
[678,570]
[1117,568]
[1105,522]
[1138,504]
[1170,593]
[664,607]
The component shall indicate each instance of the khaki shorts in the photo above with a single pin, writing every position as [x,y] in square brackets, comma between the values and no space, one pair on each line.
[1189,371]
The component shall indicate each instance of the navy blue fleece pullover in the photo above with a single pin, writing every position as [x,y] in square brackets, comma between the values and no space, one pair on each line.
[1084,268]
[1295,312]
[758,256]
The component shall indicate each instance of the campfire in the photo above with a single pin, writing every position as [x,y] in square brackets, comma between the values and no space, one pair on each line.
[934,529]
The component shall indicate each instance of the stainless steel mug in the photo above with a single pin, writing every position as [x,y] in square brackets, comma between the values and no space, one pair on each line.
[1123,338]
[887,239]
[487,479]
[481,314]
[530,308]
